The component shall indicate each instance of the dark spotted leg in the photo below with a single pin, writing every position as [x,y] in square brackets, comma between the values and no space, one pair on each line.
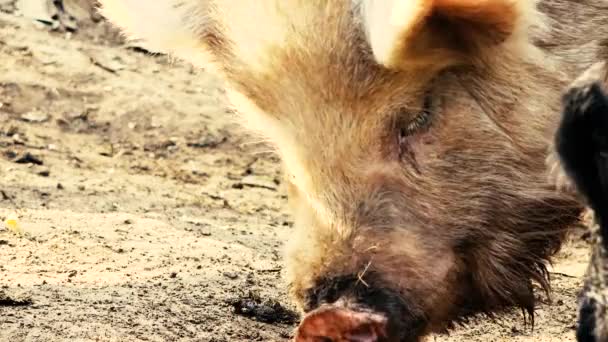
[582,144]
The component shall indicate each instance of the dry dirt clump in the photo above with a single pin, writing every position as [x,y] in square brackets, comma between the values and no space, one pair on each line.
[143,213]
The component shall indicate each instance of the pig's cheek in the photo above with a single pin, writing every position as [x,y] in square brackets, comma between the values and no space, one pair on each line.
[406,259]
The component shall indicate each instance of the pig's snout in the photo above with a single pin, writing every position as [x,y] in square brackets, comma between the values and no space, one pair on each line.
[340,324]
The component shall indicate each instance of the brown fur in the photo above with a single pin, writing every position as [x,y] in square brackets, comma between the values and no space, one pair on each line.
[460,218]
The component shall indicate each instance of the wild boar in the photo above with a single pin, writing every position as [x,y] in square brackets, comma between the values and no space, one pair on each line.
[582,146]
[413,135]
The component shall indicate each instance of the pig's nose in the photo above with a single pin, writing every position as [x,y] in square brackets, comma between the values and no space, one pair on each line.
[339,324]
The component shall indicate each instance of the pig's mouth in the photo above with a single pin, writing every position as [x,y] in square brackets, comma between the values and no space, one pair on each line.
[345,309]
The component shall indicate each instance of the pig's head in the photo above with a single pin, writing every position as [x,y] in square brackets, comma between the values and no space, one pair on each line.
[413,136]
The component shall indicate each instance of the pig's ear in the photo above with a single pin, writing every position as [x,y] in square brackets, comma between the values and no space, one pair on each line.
[164,26]
[403,33]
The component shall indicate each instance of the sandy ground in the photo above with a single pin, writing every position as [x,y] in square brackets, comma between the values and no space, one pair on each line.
[145,214]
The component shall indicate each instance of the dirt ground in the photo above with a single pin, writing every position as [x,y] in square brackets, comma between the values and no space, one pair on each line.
[145,214]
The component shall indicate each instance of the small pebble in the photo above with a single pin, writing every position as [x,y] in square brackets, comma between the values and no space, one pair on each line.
[230,275]
[35,116]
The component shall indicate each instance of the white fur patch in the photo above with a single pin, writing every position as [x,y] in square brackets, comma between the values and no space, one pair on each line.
[160,24]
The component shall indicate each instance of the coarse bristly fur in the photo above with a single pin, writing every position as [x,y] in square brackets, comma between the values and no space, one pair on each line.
[413,136]
[582,146]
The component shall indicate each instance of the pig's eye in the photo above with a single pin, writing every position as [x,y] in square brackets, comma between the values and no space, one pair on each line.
[420,121]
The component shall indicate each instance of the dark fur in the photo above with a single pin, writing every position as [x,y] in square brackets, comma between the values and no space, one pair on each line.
[582,143]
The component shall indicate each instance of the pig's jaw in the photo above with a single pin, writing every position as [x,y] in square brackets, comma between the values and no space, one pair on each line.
[345,309]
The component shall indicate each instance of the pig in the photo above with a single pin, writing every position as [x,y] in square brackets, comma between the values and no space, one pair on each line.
[581,143]
[413,136]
